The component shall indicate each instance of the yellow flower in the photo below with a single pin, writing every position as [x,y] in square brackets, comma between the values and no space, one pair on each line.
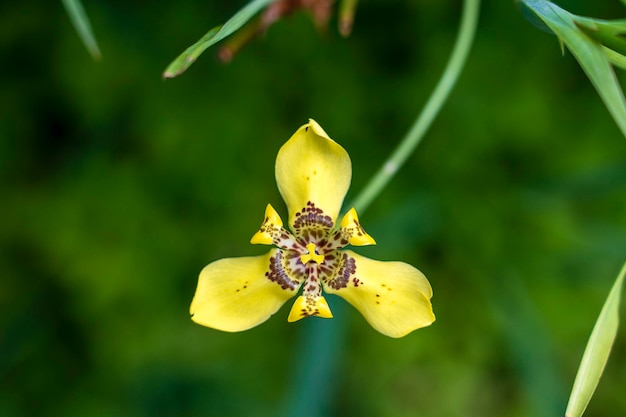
[313,173]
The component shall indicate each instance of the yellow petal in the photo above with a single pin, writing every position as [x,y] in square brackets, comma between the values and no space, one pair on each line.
[313,168]
[271,225]
[234,294]
[308,307]
[394,297]
[357,236]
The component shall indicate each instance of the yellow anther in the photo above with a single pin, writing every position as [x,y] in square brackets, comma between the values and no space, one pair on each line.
[312,255]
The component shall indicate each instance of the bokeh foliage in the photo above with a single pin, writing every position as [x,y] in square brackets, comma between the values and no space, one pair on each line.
[119,187]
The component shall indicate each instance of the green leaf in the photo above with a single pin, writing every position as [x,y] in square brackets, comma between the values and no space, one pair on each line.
[81,23]
[589,53]
[609,33]
[184,60]
[616,58]
[532,18]
[597,351]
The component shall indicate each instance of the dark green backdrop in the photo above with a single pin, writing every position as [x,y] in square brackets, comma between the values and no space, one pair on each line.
[118,187]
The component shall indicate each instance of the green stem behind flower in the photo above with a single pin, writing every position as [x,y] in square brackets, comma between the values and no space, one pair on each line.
[455,64]
[304,398]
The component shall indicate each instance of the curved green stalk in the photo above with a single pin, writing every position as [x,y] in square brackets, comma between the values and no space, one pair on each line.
[322,340]
[406,147]
[81,23]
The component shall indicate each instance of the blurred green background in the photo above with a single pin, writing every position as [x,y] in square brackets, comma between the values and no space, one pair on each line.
[118,187]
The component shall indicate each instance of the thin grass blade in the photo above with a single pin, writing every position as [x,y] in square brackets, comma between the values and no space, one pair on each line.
[82,25]
[184,60]
[597,351]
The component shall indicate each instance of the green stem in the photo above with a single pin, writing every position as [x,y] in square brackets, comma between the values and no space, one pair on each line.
[81,23]
[313,382]
[464,40]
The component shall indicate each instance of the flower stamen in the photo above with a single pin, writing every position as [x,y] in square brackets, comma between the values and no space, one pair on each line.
[312,255]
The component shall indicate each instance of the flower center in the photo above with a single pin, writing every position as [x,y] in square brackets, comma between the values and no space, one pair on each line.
[312,255]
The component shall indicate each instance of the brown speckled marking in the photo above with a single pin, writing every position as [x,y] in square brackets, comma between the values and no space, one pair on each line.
[312,290]
[344,270]
[312,220]
[293,265]
[278,273]
[243,287]
[354,229]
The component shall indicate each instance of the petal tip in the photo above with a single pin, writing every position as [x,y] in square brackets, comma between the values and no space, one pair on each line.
[357,236]
[261,238]
[235,294]
[271,221]
[303,307]
[317,129]
[311,167]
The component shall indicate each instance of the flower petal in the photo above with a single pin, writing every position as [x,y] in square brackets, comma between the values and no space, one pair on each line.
[272,232]
[315,306]
[312,168]
[353,231]
[394,297]
[311,302]
[235,294]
